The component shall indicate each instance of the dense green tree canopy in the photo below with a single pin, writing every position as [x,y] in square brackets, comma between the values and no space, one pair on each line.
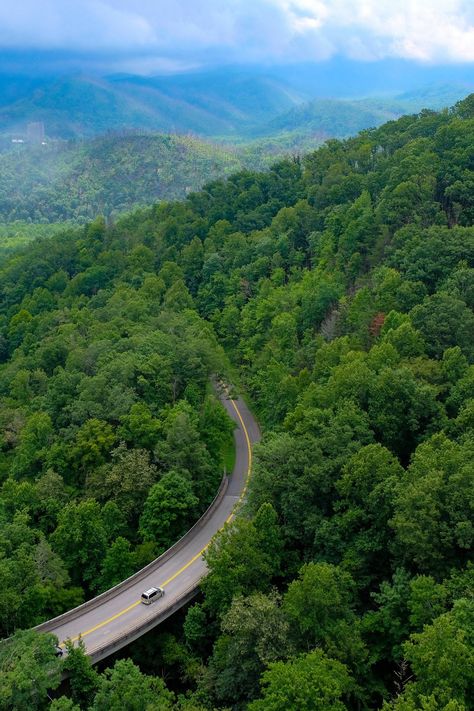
[337,290]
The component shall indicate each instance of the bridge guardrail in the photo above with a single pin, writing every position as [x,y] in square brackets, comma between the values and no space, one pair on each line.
[139,575]
[145,624]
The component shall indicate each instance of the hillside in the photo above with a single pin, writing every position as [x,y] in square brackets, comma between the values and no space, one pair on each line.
[339,290]
[112,173]
[80,106]
[333,118]
[230,102]
[435,96]
[339,118]
[15,235]
[106,175]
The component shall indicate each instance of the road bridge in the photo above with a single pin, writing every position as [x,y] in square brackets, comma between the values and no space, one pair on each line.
[115,618]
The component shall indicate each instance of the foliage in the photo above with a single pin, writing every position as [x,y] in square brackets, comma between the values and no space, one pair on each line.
[310,683]
[167,509]
[255,633]
[243,557]
[28,668]
[84,679]
[340,287]
[17,234]
[73,181]
[125,688]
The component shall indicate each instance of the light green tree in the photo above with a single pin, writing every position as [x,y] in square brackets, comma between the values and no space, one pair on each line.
[312,682]
[169,508]
[28,669]
[125,688]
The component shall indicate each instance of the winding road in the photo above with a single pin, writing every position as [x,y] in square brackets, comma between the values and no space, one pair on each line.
[117,617]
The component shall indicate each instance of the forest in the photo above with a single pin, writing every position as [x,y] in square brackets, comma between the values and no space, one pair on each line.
[78,180]
[337,292]
[104,154]
[232,101]
[17,234]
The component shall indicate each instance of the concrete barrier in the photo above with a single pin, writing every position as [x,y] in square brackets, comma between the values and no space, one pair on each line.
[146,624]
[136,577]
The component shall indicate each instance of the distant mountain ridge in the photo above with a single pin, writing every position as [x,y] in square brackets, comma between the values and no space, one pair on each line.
[134,145]
[332,118]
[340,118]
[84,106]
[234,104]
[436,96]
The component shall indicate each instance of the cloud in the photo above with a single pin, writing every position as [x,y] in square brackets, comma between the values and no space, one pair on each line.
[183,32]
[426,30]
[77,25]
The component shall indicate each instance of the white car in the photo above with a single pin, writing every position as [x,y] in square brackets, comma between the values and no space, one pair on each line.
[151,595]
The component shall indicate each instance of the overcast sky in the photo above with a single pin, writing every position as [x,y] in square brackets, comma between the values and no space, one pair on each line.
[152,35]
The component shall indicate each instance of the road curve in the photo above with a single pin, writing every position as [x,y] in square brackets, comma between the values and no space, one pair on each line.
[117,617]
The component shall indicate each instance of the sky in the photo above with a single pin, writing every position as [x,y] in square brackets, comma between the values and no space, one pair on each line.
[152,36]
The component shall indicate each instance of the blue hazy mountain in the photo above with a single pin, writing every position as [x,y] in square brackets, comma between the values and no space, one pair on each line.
[230,101]
[206,104]
[339,118]
[342,78]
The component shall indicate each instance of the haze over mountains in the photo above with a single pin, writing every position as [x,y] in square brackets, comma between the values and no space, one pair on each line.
[108,147]
[107,175]
[229,102]
[84,106]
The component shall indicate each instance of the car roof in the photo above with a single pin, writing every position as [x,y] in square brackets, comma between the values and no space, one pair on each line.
[149,591]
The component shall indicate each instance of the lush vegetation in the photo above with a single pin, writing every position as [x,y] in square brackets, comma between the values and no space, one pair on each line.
[228,101]
[107,175]
[109,430]
[342,288]
[250,121]
[210,103]
[16,235]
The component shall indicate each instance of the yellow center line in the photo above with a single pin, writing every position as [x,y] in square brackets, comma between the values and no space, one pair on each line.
[106,622]
[249,467]
[194,558]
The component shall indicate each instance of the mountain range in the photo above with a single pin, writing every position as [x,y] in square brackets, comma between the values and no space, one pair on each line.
[234,104]
[202,104]
[114,143]
[339,118]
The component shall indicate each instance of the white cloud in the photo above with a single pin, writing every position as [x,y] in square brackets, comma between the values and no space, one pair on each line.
[424,30]
[427,30]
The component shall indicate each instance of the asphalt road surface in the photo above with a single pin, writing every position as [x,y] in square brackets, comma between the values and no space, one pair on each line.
[117,619]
